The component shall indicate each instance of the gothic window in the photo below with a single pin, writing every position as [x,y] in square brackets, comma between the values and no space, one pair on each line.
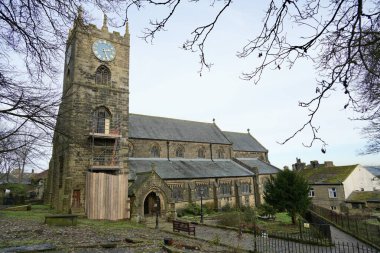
[201,190]
[103,76]
[177,192]
[225,189]
[244,188]
[220,153]
[102,120]
[130,149]
[155,151]
[201,152]
[180,152]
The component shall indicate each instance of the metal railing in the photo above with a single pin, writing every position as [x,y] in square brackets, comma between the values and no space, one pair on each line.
[357,225]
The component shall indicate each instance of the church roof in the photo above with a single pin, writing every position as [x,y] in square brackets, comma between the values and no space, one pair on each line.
[263,167]
[187,168]
[159,128]
[244,142]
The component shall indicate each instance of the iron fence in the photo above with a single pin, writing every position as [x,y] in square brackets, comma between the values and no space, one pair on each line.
[357,225]
[264,244]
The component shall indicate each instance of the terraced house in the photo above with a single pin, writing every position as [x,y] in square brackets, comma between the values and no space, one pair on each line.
[331,186]
[110,164]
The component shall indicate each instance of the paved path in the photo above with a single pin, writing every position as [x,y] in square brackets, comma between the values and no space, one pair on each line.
[263,244]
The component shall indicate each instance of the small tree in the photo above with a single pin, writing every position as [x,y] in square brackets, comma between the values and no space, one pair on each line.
[288,191]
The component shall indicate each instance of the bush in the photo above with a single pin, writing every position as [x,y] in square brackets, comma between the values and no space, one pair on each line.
[227,208]
[267,210]
[230,219]
[249,215]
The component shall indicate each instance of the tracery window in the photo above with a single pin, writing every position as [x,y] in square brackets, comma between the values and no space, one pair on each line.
[155,151]
[245,188]
[102,120]
[225,189]
[220,153]
[130,149]
[201,152]
[201,190]
[103,76]
[180,152]
[177,191]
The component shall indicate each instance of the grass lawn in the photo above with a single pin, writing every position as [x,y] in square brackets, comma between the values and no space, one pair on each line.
[282,223]
[39,212]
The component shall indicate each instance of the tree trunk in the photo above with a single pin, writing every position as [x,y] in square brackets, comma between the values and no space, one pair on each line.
[293,219]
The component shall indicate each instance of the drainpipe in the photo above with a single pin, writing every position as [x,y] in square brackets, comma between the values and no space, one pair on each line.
[211,151]
[167,149]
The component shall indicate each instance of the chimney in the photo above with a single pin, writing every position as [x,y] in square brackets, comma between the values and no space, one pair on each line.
[298,165]
[314,164]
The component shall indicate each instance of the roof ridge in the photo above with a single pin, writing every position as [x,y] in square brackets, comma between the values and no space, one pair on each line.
[162,117]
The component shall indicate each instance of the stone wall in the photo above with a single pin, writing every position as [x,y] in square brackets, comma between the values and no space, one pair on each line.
[321,196]
[263,156]
[142,148]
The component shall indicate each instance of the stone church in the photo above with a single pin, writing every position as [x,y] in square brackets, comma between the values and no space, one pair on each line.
[110,164]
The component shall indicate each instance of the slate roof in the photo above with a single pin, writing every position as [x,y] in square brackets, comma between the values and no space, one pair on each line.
[328,175]
[188,168]
[158,128]
[244,142]
[364,196]
[263,167]
[375,170]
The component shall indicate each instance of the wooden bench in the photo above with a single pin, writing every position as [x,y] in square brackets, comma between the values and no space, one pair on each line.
[183,226]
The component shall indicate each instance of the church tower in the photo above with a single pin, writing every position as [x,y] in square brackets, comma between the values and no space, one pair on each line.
[88,172]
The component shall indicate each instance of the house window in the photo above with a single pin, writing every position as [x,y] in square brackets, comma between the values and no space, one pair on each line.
[311,193]
[180,152]
[201,190]
[201,152]
[332,193]
[155,151]
[177,192]
[225,189]
[103,76]
[102,120]
[220,153]
[244,188]
[333,207]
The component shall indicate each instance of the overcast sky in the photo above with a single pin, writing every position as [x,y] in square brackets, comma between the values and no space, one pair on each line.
[164,81]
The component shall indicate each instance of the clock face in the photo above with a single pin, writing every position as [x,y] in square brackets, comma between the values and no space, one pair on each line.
[104,50]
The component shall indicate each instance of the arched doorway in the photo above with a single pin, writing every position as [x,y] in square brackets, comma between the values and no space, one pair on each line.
[151,204]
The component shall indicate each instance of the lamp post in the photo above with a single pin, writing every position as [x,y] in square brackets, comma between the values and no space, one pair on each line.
[201,192]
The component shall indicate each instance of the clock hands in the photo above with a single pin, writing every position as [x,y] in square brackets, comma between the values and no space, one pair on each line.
[105,53]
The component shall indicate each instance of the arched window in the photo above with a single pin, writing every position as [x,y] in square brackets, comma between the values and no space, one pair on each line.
[180,152]
[102,119]
[155,151]
[130,149]
[201,152]
[220,153]
[103,76]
